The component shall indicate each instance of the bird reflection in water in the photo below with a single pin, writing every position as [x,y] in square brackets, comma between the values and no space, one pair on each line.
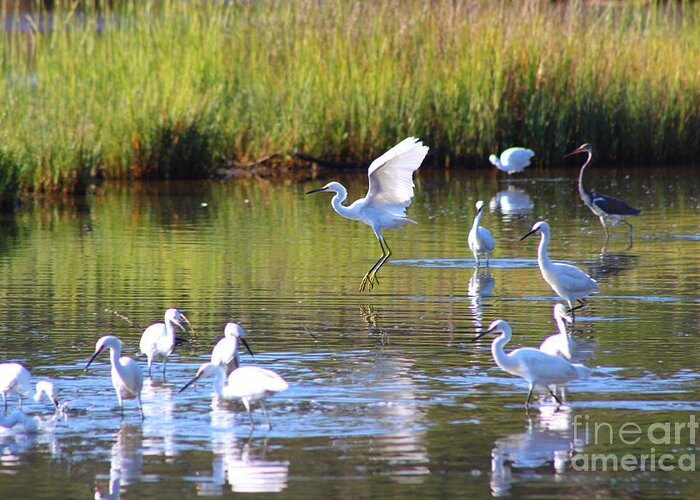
[126,463]
[511,201]
[549,440]
[242,463]
[612,263]
[159,425]
[21,433]
[374,329]
[481,285]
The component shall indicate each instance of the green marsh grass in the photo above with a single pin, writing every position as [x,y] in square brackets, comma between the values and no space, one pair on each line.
[164,89]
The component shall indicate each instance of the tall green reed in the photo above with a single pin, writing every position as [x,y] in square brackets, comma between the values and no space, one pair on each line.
[164,89]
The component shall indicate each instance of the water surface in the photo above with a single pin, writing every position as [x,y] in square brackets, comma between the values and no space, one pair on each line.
[388,396]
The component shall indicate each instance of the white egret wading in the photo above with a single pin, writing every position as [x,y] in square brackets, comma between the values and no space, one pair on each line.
[513,160]
[559,344]
[390,192]
[127,378]
[158,340]
[606,208]
[480,240]
[250,384]
[567,281]
[16,378]
[538,368]
[225,352]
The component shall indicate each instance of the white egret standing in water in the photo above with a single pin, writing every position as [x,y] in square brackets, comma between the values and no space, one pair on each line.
[513,160]
[158,340]
[250,384]
[538,368]
[559,344]
[16,378]
[225,352]
[480,240]
[390,192]
[127,378]
[607,208]
[567,281]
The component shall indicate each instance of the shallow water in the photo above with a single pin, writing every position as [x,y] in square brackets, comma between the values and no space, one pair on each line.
[388,396]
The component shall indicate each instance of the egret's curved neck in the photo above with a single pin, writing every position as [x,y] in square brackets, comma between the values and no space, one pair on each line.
[337,202]
[542,255]
[114,355]
[581,188]
[170,329]
[561,326]
[219,380]
[499,354]
[477,219]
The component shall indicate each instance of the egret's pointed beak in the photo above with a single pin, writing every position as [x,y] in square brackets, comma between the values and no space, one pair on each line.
[189,325]
[482,334]
[576,151]
[92,359]
[196,377]
[529,234]
[246,346]
[316,190]
[54,401]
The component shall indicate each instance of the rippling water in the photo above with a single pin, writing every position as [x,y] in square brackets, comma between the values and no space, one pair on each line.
[388,396]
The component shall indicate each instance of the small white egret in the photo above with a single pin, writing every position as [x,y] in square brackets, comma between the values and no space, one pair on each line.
[513,160]
[158,340]
[225,352]
[480,240]
[390,192]
[538,368]
[16,378]
[250,384]
[19,421]
[127,378]
[559,344]
[567,281]
[606,208]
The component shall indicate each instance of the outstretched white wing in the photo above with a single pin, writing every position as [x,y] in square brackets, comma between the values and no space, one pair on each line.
[391,175]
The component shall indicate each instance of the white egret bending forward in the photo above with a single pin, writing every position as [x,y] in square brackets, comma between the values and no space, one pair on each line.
[16,378]
[607,208]
[225,352]
[127,378]
[390,192]
[513,160]
[535,366]
[250,384]
[158,340]
[480,240]
[567,281]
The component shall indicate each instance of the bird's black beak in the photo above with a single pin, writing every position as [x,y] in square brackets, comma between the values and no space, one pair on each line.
[316,190]
[246,345]
[189,383]
[529,234]
[92,359]
[482,334]
[54,400]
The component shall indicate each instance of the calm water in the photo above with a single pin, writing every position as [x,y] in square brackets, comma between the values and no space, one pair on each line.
[387,396]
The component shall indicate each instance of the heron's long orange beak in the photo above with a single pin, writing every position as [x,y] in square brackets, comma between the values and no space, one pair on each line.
[579,149]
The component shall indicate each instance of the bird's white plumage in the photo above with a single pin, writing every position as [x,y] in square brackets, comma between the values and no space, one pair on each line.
[559,344]
[480,240]
[567,281]
[127,378]
[513,160]
[16,378]
[250,384]
[536,367]
[390,192]
[391,176]
[225,352]
[158,340]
